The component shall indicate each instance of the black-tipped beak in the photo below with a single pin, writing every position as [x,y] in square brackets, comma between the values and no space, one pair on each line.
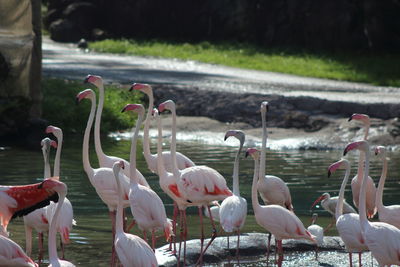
[376,153]
[344,152]
[86,79]
[123,110]
[351,117]
[226,137]
[77,100]
[329,174]
[246,154]
[131,88]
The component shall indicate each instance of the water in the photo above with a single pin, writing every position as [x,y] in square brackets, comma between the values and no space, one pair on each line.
[304,171]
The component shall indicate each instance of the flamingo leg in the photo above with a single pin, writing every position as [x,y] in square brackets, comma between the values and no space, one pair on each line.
[130,226]
[113,253]
[213,236]
[145,236]
[173,238]
[180,237]
[268,247]
[153,239]
[201,230]
[280,252]
[333,221]
[350,260]
[316,252]
[185,237]
[62,250]
[40,247]
[229,252]
[359,259]
[237,247]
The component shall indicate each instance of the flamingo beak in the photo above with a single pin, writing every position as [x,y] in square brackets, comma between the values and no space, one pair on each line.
[316,201]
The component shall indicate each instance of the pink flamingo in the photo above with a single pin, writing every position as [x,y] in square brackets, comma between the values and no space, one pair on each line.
[131,249]
[61,190]
[151,159]
[233,210]
[102,178]
[387,214]
[11,254]
[348,225]
[279,221]
[105,160]
[356,181]
[382,239]
[66,217]
[316,231]
[146,206]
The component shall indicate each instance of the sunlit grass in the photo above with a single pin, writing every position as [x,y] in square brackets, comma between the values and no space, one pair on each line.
[368,68]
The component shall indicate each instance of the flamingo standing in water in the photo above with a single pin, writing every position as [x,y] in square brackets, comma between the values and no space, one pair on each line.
[147,207]
[233,210]
[348,225]
[356,181]
[102,178]
[387,214]
[131,249]
[279,221]
[316,231]
[199,185]
[105,160]
[37,219]
[151,159]
[66,217]
[11,254]
[382,239]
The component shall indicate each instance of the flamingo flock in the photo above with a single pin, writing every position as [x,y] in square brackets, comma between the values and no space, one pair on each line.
[120,184]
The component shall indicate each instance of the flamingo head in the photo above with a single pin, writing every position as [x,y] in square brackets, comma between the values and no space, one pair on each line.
[45,143]
[94,79]
[255,153]
[143,87]
[54,185]
[166,105]
[321,198]
[360,117]
[341,164]
[138,108]
[264,106]
[236,133]
[88,93]
[54,130]
[360,145]
[380,151]
[314,218]
[154,112]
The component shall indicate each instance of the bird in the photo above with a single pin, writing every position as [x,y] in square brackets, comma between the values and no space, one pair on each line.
[279,221]
[102,178]
[105,160]
[387,214]
[151,159]
[147,207]
[233,209]
[272,189]
[316,231]
[66,217]
[214,209]
[11,254]
[347,224]
[356,181]
[382,239]
[61,190]
[131,250]
[37,219]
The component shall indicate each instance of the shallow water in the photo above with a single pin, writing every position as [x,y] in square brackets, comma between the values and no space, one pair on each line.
[304,171]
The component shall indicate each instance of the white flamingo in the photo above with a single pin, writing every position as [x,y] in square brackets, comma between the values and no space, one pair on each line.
[279,221]
[233,210]
[316,231]
[151,159]
[382,239]
[132,251]
[105,160]
[387,214]
[147,207]
[102,178]
[348,225]
[356,181]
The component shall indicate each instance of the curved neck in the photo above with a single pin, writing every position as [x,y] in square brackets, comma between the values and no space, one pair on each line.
[53,230]
[379,192]
[235,175]
[254,196]
[85,151]
[118,221]
[339,206]
[360,166]
[175,168]
[362,200]
[133,176]
[97,141]
[366,131]
[263,145]
[56,170]
[160,161]
[146,139]
[47,171]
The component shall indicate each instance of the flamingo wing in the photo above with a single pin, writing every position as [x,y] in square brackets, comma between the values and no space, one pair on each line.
[232,213]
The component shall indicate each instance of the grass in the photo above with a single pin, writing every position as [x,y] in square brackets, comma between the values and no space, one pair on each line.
[60,109]
[375,69]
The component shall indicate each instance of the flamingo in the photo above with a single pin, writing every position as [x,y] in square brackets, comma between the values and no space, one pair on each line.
[37,219]
[272,189]
[348,224]
[279,221]
[66,217]
[61,190]
[382,239]
[105,160]
[151,159]
[102,178]
[11,254]
[131,249]
[356,181]
[146,206]
[387,214]
[316,231]
[233,210]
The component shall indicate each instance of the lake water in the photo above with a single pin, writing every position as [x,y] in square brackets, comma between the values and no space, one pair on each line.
[304,171]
